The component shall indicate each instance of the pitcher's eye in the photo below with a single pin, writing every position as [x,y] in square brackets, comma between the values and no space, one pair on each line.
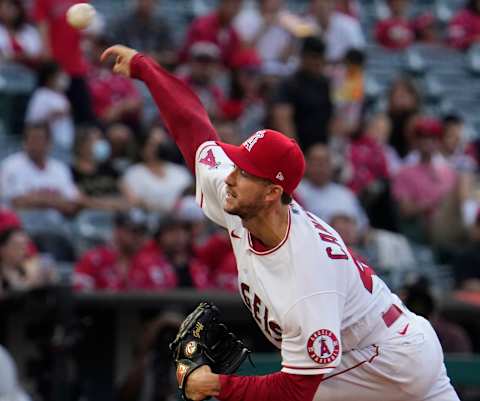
[243,173]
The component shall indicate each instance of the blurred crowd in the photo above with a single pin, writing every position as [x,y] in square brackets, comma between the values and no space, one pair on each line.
[98,182]
[98,185]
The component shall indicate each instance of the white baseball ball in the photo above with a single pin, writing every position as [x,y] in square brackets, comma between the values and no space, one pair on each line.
[80,15]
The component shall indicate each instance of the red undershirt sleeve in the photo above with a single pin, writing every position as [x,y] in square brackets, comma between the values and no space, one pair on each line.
[181,110]
[277,386]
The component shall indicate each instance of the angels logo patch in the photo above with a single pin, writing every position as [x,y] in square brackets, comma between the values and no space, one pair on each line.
[208,158]
[323,346]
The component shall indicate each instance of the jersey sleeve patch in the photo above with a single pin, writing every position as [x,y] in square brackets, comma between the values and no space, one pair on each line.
[323,347]
[208,158]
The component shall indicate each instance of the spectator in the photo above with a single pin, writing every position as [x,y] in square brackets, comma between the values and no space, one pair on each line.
[246,102]
[32,180]
[142,28]
[19,269]
[379,127]
[217,254]
[155,183]
[349,88]
[114,98]
[19,41]
[8,219]
[452,145]
[187,209]
[10,389]
[61,42]
[49,104]
[395,32]
[174,241]
[201,77]
[339,31]
[319,194]
[464,28]
[370,175]
[303,107]
[261,29]
[96,179]
[382,249]
[123,149]
[122,265]
[426,29]
[228,132]
[421,188]
[403,104]
[348,7]
[453,337]
[217,28]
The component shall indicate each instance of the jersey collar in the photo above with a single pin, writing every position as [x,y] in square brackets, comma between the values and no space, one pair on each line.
[271,250]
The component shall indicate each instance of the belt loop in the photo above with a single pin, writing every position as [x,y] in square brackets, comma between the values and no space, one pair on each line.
[391,315]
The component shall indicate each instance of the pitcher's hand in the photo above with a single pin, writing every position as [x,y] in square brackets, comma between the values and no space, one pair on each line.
[123,56]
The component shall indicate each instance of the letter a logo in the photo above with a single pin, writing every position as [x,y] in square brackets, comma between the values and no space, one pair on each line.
[324,348]
[209,159]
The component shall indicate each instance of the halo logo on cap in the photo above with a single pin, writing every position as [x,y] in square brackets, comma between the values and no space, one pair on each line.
[280,176]
[250,142]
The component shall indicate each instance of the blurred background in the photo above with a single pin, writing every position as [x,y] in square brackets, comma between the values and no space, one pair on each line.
[103,249]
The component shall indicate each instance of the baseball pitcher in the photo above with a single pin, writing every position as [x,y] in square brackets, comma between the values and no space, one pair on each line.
[342,334]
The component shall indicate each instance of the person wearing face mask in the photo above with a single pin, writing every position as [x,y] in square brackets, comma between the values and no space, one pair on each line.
[50,105]
[155,184]
[97,180]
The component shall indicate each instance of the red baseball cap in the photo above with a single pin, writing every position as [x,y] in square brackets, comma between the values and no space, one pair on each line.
[270,155]
[8,220]
[428,127]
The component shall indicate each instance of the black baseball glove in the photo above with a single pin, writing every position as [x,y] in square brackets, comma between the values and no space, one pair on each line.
[204,340]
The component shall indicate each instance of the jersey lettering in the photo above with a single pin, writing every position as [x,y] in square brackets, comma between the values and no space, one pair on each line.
[245,289]
[325,236]
[271,328]
[366,273]
[209,159]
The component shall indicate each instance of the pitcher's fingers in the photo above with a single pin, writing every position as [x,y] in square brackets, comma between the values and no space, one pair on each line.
[115,50]
[117,69]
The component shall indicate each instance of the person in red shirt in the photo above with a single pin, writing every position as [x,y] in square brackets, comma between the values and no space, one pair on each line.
[125,264]
[216,28]
[426,29]
[114,98]
[174,241]
[464,27]
[217,253]
[368,162]
[395,32]
[62,43]
[246,103]
[8,219]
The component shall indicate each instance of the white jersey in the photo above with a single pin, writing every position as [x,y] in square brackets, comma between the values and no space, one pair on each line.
[309,295]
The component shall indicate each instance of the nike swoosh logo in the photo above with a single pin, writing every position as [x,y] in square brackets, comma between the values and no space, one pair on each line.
[404,330]
[232,233]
